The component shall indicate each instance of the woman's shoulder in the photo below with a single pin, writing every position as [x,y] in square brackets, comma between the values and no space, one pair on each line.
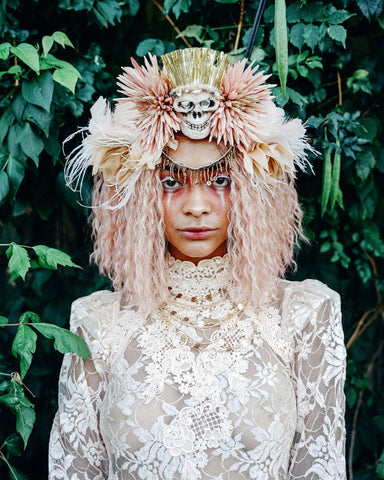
[309,303]
[100,306]
[309,291]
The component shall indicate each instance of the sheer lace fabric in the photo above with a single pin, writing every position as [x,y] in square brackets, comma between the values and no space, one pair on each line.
[205,389]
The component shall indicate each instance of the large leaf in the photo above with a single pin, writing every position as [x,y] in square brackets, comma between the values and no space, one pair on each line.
[67,77]
[59,37]
[64,340]
[297,35]
[4,185]
[16,401]
[6,121]
[327,180]
[4,50]
[311,35]
[19,262]
[24,346]
[16,171]
[369,8]
[108,11]
[339,16]
[281,40]
[31,144]
[27,54]
[39,91]
[150,45]
[39,117]
[335,188]
[338,33]
[51,257]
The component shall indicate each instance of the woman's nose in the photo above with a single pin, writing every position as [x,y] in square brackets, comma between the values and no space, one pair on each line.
[196,200]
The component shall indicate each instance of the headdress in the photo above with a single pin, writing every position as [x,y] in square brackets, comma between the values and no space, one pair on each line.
[196,92]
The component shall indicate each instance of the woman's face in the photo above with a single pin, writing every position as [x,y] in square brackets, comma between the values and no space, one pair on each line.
[195,214]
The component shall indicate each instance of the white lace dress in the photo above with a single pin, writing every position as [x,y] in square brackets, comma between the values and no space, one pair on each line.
[205,389]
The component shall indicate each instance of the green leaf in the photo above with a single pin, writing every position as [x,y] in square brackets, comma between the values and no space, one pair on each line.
[19,262]
[64,340]
[13,141]
[39,117]
[369,8]
[16,401]
[39,91]
[311,35]
[108,11]
[4,185]
[27,54]
[281,40]
[6,121]
[14,444]
[47,43]
[380,466]
[3,321]
[338,33]
[51,257]
[133,7]
[364,164]
[16,172]
[339,16]
[4,50]
[31,144]
[67,77]
[62,39]
[179,6]
[24,346]
[58,37]
[18,106]
[29,317]
[335,176]
[193,31]
[327,180]
[297,35]
[150,45]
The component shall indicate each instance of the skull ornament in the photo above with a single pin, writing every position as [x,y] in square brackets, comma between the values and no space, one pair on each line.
[195,111]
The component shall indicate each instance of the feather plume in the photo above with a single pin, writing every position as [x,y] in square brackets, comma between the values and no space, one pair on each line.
[147,104]
[241,112]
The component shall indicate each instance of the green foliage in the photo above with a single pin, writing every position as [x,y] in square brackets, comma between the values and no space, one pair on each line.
[281,42]
[327,64]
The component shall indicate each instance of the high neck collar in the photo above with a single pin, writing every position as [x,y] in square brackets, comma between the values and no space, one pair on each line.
[206,277]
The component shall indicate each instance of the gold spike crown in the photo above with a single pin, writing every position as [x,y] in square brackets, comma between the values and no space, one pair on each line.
[194,69]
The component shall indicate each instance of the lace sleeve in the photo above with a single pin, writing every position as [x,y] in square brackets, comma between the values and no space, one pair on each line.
[319,374]
[76,449]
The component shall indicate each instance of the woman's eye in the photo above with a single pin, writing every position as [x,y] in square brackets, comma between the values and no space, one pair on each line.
[170,184]
[222,181]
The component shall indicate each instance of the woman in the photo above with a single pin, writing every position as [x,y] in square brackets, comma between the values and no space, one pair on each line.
[204,363]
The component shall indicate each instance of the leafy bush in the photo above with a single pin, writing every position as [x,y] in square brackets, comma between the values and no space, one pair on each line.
[335,76]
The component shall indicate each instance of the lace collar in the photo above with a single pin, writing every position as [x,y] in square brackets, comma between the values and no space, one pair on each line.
[208,276]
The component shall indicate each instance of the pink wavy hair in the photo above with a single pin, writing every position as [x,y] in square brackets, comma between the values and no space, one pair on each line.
[130,245]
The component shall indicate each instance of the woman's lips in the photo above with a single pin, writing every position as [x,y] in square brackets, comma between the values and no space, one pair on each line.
[197,233]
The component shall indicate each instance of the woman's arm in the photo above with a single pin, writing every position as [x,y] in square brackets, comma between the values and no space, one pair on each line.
[318,451]
[76,449]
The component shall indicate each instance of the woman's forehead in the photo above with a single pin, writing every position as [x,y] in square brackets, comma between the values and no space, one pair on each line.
[194,154]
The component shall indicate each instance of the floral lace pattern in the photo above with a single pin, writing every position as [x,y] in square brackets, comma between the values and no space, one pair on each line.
[212,391]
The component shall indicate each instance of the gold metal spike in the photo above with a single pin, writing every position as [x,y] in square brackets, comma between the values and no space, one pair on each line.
[195,68]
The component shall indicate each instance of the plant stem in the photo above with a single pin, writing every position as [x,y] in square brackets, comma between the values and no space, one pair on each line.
[239,26]
[175,27]
[2,456]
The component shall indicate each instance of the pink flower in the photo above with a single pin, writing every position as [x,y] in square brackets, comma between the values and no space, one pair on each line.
[240,113]
[147,104]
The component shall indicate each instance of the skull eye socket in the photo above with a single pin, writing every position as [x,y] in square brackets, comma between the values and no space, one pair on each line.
[208,103]
[185,105]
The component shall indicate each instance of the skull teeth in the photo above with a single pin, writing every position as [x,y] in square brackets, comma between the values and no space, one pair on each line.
[197,128]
